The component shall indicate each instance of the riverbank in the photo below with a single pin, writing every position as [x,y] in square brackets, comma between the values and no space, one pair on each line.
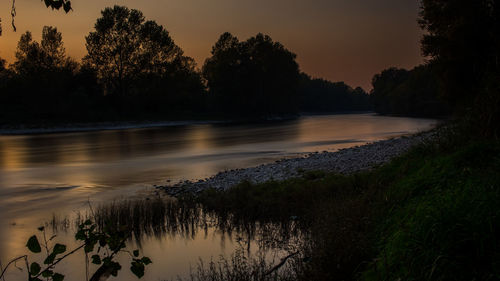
[344,161]
[98,126]
[431,214]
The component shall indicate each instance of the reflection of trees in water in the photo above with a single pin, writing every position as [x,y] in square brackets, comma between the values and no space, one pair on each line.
[162,218]
[106,146]
[224,135]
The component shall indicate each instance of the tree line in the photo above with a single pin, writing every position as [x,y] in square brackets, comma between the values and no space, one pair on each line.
[134,70]
[413,92]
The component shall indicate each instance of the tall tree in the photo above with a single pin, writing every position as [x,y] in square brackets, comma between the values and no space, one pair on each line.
[463,41]
[256,77]
[49,54]
[125,47]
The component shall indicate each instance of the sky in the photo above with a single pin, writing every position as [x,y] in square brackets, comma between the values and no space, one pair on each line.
[338,40]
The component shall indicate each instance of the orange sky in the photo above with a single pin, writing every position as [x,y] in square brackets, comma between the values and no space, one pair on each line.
[340,40]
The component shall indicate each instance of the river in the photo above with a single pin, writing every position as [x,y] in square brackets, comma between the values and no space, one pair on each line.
[46,174]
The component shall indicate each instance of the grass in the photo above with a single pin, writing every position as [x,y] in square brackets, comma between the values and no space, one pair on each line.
[443,222]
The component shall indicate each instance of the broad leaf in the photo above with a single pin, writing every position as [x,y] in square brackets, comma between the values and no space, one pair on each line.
[33,245]
[58,277]
[50,259]
[59,249]
[96,259]
[35,269]
[137,268]
[146,260]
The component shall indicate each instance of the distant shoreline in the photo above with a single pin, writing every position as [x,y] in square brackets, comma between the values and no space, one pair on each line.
[35,129]
[98,126]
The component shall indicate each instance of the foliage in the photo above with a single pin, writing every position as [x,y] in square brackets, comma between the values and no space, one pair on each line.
[442,221]
[54,4]
[319,95]
[33,58]
[432,214]
[132,56]
[462,40]
[254,77]
[414,93]
[58,4]
[103,246]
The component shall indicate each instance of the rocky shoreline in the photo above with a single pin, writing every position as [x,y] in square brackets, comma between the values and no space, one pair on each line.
[344,161]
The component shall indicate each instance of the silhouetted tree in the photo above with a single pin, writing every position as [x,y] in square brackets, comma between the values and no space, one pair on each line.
[139,64]
[463,41]
[44,77]
[254,77]
[413,93]
[319,95]
[49,55]
[124,47]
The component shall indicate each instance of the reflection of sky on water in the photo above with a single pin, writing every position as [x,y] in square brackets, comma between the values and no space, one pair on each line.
[58,173]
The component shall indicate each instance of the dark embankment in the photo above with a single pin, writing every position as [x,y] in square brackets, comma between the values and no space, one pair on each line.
[432,214]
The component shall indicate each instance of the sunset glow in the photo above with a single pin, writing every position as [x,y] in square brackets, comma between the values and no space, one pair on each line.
[339,40]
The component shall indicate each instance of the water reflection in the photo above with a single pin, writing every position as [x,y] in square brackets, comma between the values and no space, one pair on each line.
[58,173]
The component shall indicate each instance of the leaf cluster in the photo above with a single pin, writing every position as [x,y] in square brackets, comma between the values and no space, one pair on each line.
[58,4]
[103,244]
[256,76]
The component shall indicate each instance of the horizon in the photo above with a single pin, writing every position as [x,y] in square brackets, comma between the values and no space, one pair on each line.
[339,40]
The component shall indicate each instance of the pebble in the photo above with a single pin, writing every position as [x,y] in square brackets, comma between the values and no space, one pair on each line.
[343,161]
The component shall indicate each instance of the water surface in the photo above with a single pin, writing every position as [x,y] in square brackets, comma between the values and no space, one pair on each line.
[59,173]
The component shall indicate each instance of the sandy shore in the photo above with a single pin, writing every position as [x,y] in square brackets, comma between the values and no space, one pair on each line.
[344,161]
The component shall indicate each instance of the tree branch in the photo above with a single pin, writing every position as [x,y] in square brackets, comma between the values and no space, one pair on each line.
[11,262]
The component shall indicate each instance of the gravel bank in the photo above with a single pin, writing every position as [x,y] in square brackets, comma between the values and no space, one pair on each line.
[344,161]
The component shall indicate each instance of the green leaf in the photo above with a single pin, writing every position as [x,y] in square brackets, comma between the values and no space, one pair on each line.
[146,260]
[59,249]
[50,259]
[41,228]
[96,259]
[80,235]
[35,269]
[115,268]
[137,268]
[87,222]
[89,247]
[47,273]
[67,6]
[136,253]
[58,277]
[33,245]
[57,4]
[102,242]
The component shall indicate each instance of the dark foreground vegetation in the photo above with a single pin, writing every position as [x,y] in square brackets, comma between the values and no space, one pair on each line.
[432,214]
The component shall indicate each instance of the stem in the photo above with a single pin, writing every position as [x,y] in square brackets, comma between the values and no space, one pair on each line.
[59,260]
[13,14]
[283,261]
[11,262]
[1,269]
